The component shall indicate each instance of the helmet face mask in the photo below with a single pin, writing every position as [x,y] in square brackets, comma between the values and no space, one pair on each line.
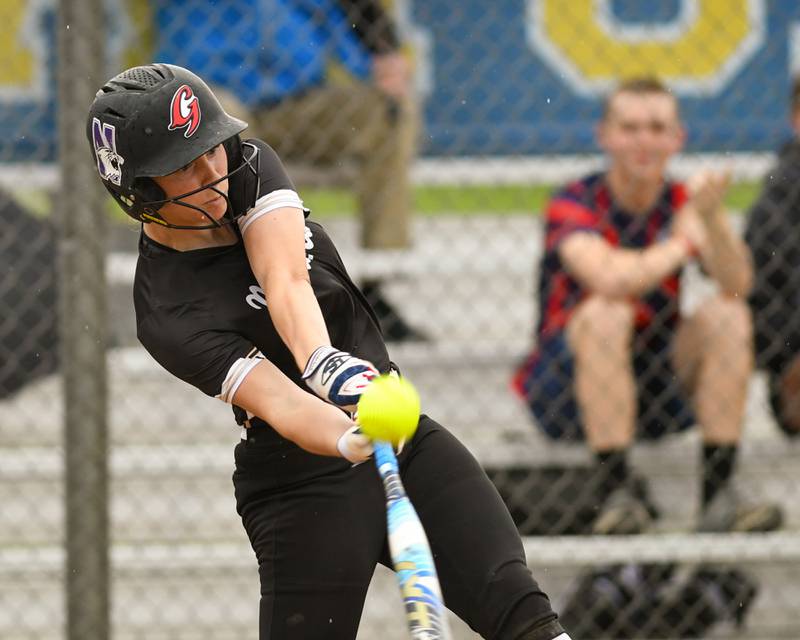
[151,209]
[150,121]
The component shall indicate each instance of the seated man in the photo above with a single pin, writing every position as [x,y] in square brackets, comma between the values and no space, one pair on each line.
[615,358]
[773,233]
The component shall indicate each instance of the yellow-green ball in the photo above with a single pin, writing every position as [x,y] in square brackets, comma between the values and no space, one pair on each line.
[389,409]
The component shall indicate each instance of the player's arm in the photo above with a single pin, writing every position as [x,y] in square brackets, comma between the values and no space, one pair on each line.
[614,272]
[725,256]
[275,245]
[299,416]
[274,238]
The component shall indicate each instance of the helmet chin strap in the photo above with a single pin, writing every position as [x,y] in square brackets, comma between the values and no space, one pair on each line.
[225,220]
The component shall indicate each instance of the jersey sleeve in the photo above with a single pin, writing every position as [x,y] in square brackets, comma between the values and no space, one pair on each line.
[275,188]
[216,362]
[564,216]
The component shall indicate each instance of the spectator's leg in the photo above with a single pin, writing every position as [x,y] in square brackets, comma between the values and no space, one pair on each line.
[355,123]
[714,360]
[386,147]
[600,336]
[384,191]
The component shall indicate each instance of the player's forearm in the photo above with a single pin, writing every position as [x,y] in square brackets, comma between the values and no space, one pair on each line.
[314,425]
[632,273]
[297,317]
[727,259]
[296,414]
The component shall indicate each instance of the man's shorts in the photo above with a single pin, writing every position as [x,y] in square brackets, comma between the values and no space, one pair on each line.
[545,381]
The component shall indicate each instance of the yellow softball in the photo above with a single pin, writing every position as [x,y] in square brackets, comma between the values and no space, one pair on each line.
[389,409]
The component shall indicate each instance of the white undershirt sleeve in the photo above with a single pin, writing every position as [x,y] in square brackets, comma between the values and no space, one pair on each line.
[237,373]
[270,202]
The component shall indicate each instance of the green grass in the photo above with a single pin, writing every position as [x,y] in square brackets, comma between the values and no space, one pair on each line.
[439,200]
[429,200]
[480,200]
[742,195]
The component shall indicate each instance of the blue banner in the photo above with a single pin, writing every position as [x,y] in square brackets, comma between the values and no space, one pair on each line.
[505,77]
[528,76]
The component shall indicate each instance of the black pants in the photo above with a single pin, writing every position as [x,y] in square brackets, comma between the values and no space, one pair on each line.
[318,528]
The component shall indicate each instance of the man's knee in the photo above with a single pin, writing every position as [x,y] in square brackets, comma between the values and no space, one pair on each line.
[727,319]
[601,323]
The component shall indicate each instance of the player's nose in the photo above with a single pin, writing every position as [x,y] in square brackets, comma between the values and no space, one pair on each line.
[207,170]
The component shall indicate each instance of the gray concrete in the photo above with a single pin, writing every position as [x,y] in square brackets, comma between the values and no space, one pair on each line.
[183,567]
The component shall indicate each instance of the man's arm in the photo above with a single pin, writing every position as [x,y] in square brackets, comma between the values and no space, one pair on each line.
[621,273]
[373,25]
[391,71]
[725,256]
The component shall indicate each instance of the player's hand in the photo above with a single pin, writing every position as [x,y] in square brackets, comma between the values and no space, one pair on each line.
[338,377]
[354,445]
[707,191]
[357,447]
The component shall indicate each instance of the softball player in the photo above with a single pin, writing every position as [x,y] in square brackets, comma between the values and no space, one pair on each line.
[239,295]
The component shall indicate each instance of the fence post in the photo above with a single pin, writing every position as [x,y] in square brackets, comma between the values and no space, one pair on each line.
[83,326]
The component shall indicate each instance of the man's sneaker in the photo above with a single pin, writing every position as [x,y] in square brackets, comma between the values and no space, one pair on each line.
[623,513]
[728,512]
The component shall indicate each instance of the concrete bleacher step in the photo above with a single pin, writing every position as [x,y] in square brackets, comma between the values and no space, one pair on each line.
[191,439]
[163,592]
[210,591]
[171,455]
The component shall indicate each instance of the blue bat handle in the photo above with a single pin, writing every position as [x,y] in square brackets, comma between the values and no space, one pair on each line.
[386,461]
[411,555]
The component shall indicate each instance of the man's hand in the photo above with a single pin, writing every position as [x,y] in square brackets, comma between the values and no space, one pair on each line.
[707,191]
[391,74]
[688,226]
[338,377]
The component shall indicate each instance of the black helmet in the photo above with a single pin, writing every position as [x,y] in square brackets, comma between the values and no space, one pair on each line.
[150,121]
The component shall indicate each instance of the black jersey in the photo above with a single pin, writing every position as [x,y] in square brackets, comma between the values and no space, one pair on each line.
[200,313]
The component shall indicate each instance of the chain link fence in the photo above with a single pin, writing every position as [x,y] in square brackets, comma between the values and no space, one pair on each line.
[501,112]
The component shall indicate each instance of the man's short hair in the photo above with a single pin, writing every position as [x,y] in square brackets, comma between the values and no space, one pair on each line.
[639,85]
[795,104]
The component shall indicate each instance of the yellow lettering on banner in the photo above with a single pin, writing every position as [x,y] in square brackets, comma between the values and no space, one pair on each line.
[697,52]
[16,58]
[24,48]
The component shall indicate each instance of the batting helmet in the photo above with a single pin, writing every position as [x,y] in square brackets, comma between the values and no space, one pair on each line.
[150,121]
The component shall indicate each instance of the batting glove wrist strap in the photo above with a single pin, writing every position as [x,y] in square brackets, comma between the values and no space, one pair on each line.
[354,445]
[337,376]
